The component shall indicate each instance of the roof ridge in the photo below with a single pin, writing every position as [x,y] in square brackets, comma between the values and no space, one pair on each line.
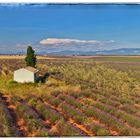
[32,69]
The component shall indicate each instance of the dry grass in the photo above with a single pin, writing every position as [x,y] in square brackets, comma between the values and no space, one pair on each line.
[22,57]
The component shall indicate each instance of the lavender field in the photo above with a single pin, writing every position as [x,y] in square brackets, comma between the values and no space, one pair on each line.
[79,97]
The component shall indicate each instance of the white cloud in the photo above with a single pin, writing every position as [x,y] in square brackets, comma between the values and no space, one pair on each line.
[58,42]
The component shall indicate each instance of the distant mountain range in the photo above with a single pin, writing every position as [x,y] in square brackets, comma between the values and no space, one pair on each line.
[122,51]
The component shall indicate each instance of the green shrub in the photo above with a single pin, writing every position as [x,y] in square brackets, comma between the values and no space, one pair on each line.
[20,109]
[55,102]
[43,133]
[15,99]
[88,112]
[79,119]
[32,124]
[33,102]
[44,111]
[102,132]
[54,118]
[11,84]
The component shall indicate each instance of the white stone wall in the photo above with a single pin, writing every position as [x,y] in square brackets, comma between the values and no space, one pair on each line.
[24,76]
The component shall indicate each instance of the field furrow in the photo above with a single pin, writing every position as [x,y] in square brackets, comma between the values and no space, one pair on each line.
[71,121]
[10,115]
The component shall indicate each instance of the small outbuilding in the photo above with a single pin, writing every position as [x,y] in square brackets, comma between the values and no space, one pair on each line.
[26,75]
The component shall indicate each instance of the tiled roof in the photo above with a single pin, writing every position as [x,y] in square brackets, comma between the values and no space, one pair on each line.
[31,69]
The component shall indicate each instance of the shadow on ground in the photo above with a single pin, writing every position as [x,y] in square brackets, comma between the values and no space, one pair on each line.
[45,77]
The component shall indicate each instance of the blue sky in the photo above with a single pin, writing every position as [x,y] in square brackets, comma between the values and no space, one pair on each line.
[51,28]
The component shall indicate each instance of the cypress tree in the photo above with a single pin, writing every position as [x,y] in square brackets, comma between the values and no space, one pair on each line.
[30,57]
